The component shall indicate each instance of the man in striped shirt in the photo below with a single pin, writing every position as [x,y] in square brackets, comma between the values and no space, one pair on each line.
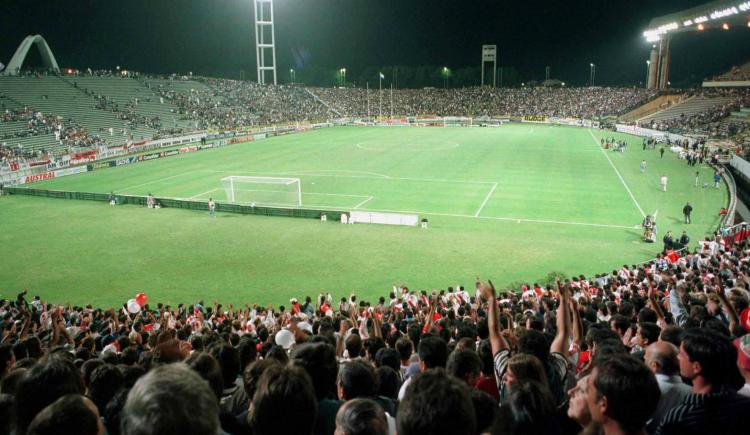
[709,360]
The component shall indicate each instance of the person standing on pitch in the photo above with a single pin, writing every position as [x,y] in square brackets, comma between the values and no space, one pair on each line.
[686,212]
[211,207]
[661,152]
[643,166]
[697,178]
[664,182]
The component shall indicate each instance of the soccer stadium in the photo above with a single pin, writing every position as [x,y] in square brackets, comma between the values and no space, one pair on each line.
[317,217]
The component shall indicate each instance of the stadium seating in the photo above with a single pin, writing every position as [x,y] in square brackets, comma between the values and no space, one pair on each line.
[687,108]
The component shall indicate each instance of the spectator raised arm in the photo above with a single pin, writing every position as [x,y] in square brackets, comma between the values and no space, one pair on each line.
[561,343]
[497,341]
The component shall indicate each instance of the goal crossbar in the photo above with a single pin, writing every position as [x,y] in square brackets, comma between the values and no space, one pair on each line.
[240,189]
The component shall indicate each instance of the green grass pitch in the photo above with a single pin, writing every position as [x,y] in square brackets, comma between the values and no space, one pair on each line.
[510,204]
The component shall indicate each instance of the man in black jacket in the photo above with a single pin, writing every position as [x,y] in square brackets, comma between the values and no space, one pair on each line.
[686,212]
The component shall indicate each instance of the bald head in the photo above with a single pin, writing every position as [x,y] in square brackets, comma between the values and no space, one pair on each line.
[661,358]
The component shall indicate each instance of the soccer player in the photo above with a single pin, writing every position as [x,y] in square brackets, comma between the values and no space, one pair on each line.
[150,201]
[643,166]
[697,178]
[211,207]
[664,183]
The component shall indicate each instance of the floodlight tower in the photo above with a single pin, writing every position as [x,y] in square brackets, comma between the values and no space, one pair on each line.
[265,41]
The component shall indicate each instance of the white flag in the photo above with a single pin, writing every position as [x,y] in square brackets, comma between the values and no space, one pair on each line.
[382,76]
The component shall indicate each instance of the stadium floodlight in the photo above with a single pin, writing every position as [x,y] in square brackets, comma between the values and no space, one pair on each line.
[725,26]
[701,26]
[268,191]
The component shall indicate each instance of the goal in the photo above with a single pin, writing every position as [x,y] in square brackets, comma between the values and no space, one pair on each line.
[457,121]
[270,191]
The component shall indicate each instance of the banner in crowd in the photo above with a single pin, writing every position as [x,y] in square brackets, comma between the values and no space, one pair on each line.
[54,174]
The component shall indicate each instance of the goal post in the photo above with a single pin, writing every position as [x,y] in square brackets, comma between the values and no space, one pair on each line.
[268,191]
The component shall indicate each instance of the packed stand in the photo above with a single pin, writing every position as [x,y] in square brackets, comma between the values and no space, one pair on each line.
[585,103]
[713,121]
[231,104]
[662,348]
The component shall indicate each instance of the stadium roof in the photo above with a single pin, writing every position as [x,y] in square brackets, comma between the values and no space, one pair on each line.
[693,18]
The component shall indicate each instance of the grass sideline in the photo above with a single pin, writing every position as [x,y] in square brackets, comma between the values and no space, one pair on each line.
[513,203]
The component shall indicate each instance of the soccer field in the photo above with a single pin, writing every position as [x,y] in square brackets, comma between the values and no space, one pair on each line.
[512,204]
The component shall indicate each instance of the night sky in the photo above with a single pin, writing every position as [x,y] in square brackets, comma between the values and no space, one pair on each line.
[216,37]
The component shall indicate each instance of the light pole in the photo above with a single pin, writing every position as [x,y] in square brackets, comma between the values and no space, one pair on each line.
[291,75]
[592,74]
[648,70]
[342,71]
[380,94]
[446,71]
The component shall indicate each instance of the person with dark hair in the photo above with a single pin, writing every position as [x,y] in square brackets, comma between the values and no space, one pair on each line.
[522,367]
[672,334]
[661,358]
[69,415]
[361,417]
[171,399]
[7,359]
[709,361]
[433,353]
[284,403]
[436,403]
[44,383]
[465,365]
[208,368]
[356,379]
[622,394]
[405,350]
[485,409]
[388,382]
[319,361]
[105,381]
[233,398]
[529,409]
[486,381]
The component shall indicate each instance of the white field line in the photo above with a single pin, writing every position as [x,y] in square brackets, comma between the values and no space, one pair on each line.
[377,174]
[486,198]
[363,202]
[336,194]
[618,174]
[201,194]
[428,180]
[468,216]
[155,181]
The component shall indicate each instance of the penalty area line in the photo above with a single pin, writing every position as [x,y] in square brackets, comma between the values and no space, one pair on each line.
[363,202]
[486,198]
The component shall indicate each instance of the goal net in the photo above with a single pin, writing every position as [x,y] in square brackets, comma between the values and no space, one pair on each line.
[457,121]
[270,191]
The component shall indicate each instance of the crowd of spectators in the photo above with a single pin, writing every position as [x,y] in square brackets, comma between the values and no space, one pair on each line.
[661,347]
[230,104]
[587,103]
[27,123]
[713,121]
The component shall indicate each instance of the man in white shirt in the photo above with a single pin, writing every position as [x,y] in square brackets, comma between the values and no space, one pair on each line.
[664,183]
